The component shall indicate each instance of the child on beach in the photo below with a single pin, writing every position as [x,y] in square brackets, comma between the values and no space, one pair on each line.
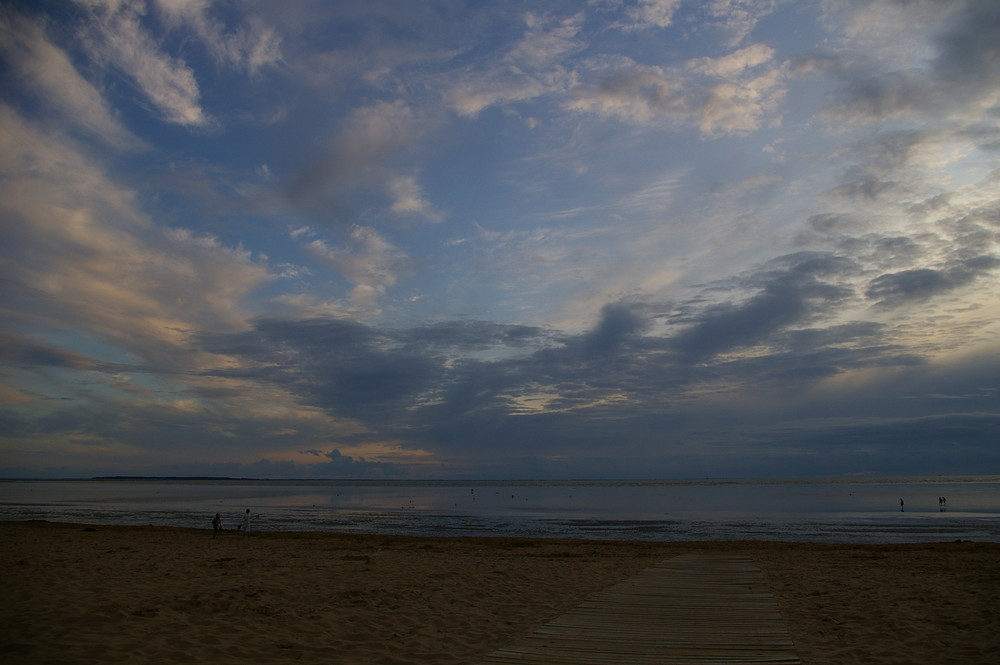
[216,525]
[246,523]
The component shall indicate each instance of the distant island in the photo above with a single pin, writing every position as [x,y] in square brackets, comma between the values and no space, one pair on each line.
[169,478]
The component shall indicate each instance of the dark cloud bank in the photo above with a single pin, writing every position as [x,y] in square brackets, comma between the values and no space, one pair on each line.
[742,381]
[734,388]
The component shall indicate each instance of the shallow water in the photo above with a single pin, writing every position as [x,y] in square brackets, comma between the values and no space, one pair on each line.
[816,511]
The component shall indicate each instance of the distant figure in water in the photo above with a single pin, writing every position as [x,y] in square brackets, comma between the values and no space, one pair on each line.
[216,525]
[901,508]
[245,524]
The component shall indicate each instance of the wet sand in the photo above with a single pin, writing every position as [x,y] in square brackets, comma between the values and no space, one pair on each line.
[78,594]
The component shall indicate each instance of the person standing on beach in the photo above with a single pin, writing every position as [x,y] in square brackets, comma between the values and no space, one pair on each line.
[246,523]
[216,525]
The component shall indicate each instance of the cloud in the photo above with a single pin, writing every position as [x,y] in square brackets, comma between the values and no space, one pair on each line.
[409,199]
[652,13]
[115,37]
[735,64]
[534,66]
[920,284]
[251,46]
[476,92]
[356,162]
[636,93]
[603,290]
[883,96]
[45,71]
[455,336]
[791,293]
[342,366]
[545,44]
[20,351]
[339,465]
[366,259]
[969,53]
[740,17]
[619,322]
[407,379]
[733,94]
[963,76]
[101,265]
[352,368]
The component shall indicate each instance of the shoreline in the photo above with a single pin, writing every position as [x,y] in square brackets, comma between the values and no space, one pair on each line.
[101,593]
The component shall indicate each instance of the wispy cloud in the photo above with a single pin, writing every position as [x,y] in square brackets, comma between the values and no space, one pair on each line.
[100,262]
[366,259]
[535,66]
[409,199]
[115,37]
[736,93]
[46,71]
[652,13]
[250,46]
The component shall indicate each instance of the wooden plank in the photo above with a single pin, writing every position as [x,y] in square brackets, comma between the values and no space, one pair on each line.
[691,609]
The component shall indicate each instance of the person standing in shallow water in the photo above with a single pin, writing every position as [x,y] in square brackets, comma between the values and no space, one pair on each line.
[246,523]
[216,525]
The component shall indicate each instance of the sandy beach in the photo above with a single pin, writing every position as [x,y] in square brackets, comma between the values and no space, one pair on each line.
[79,594]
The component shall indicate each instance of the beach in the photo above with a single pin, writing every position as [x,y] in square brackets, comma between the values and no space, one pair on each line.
[78,594]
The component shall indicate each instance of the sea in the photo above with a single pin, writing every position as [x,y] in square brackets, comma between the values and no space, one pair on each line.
[897,510]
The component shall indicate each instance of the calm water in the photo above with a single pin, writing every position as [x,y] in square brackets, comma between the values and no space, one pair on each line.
[818,511]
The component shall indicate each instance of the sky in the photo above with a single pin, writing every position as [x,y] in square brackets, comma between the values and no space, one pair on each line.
[512,240]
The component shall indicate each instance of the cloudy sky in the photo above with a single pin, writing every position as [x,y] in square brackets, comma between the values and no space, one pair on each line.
[518,239]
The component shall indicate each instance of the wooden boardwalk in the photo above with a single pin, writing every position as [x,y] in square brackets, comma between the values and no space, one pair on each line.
[688,609]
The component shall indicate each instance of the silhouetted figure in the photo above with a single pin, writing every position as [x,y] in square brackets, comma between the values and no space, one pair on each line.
[901,508]
[245,524]
[216,525]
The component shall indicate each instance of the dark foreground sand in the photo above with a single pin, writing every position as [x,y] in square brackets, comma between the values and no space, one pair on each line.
[76,594]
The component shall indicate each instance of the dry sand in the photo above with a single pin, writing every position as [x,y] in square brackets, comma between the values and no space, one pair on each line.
[76,594]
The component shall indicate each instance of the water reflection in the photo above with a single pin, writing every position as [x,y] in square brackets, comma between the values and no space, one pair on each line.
[641,510]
